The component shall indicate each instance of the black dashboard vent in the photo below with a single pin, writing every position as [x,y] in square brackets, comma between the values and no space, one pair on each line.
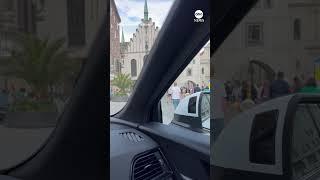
[150,166]
[132,136]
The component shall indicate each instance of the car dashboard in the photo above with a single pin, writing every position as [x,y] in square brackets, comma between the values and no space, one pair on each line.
[135,156]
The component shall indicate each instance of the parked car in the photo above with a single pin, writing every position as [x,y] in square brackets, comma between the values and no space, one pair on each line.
[278,139]
[193,112]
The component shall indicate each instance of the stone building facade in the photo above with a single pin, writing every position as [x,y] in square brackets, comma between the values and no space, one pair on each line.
[134,53]
[274,36]
[114,39]
[77,21]
[197,71]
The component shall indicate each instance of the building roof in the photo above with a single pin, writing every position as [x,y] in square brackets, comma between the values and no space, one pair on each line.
[114,6]
[146,12]
[122,37]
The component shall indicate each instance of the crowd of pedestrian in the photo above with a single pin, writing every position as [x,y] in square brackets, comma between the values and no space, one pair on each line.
[8,97]
[176,93]
[233,97]
[246,92]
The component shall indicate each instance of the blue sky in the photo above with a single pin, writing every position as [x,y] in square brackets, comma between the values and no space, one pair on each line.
[131,13]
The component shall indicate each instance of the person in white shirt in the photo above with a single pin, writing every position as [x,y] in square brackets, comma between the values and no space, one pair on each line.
[175,92]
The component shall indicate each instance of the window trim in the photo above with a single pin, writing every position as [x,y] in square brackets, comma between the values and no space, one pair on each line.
[261,34]
[136,68]
[5,44]
[297,32]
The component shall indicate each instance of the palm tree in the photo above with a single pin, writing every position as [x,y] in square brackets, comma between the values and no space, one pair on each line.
[41,63]
[123,82]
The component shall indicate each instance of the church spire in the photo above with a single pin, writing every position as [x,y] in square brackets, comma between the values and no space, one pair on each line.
[146,10]
[122,37]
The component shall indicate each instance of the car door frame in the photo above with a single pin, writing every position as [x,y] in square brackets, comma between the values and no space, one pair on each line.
[76,149]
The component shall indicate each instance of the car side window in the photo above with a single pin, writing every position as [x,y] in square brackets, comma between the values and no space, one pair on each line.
[205,111]
[262,140]
[192,105]
[305,150]
[41,54]
[187,99]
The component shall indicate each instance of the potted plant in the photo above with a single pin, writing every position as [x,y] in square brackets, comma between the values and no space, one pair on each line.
[42,63]
[124,85]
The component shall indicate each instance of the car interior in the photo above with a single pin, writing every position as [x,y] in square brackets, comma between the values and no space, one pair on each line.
[141,146]
[76,149]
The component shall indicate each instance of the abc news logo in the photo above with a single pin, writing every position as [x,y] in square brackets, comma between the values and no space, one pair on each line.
[198,14]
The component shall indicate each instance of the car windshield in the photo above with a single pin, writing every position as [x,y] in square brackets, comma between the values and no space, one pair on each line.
[134,26]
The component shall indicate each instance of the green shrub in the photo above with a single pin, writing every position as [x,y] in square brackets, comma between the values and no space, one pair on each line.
[120,94]
[124,83]
[32,106]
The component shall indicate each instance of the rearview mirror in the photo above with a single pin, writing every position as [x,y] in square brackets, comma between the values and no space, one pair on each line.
[193,112]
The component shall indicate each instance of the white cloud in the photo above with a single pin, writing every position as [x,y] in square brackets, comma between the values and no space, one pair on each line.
[132,11]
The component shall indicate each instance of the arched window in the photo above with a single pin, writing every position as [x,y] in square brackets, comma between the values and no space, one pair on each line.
[118,66]
[202,70]
[133,67]
[297,29]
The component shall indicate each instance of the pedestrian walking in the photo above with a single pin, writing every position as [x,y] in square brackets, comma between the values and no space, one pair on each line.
[229,90]
[279,87]
[264,91]
[297,85]
[311,86]
[248,91]
[168,96]
[4,98]
[175,92]
[191,90]
[236,92]
[197,88]
[183,92]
